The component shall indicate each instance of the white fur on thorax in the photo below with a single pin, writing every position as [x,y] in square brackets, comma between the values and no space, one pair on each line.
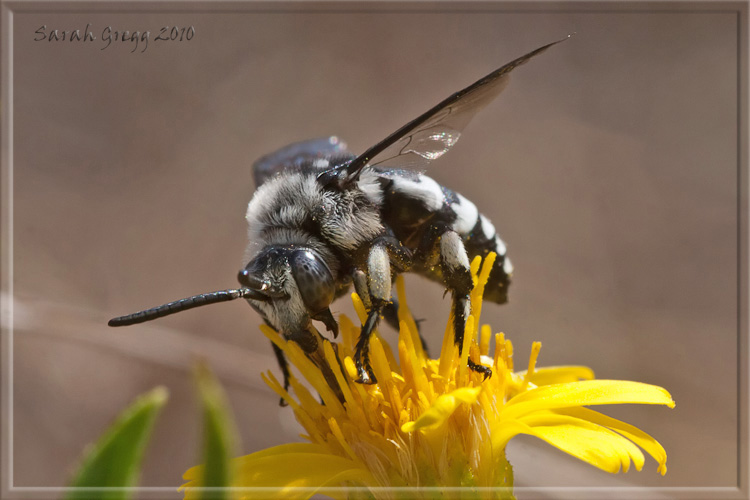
[280,206]
[347,223]
[282,201]
[277,211]
[368,184]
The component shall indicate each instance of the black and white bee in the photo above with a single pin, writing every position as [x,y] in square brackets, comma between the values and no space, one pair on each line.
[323,219]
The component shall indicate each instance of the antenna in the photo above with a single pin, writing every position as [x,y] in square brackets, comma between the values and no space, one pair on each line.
[202,299]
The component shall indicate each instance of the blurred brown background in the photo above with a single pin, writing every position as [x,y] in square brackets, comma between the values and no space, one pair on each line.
[609,166]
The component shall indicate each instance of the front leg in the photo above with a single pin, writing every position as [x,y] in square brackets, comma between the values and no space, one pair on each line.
[311,342]
[281,359]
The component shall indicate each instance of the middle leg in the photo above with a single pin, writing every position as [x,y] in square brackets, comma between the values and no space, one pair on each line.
[378,294]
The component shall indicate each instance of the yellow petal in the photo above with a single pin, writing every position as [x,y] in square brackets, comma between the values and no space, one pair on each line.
[296,471]
[586,440]
[194,473]
[645,441]
[504,430]
[558,374]
[442,408]
[584,393]
[261,463]
[592,444]
[290,448]
[585,444]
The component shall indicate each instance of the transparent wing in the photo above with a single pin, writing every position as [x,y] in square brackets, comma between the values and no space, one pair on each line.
[432,134]
[433,138]
[315,153]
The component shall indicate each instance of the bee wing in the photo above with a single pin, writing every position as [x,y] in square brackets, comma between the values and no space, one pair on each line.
[315,152]
[432,134]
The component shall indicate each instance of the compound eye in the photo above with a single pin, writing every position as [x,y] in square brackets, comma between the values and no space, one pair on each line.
[314,280]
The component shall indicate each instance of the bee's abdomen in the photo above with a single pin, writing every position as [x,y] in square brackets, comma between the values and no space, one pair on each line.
[480,238]
[413,203]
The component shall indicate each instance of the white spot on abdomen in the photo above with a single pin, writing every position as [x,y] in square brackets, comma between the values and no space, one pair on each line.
[424,189]
[500,246]
[466,215]
[487,228]
[507,266]
[452,251]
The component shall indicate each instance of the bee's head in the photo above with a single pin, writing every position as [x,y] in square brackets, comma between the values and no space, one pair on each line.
[290,285]
[290,274]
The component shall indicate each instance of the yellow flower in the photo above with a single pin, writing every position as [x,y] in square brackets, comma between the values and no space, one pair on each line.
[432,426]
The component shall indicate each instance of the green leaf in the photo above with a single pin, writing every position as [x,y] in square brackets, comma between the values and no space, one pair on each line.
[219,436]
[112,465]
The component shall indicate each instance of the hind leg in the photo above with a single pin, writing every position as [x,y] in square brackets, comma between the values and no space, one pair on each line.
[455,267]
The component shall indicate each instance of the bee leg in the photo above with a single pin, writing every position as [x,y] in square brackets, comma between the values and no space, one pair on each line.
[390,313]
[400,256]
[454,264]
[362,354]
[311,343]
[401,260]
[379,291]
[284,369]
[360,286]
[362,350]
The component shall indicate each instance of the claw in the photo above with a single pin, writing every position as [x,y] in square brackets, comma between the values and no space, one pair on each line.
[475,367]
[366,376]
[366,381]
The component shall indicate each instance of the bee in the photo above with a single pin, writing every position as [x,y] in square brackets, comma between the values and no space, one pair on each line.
[323,219]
